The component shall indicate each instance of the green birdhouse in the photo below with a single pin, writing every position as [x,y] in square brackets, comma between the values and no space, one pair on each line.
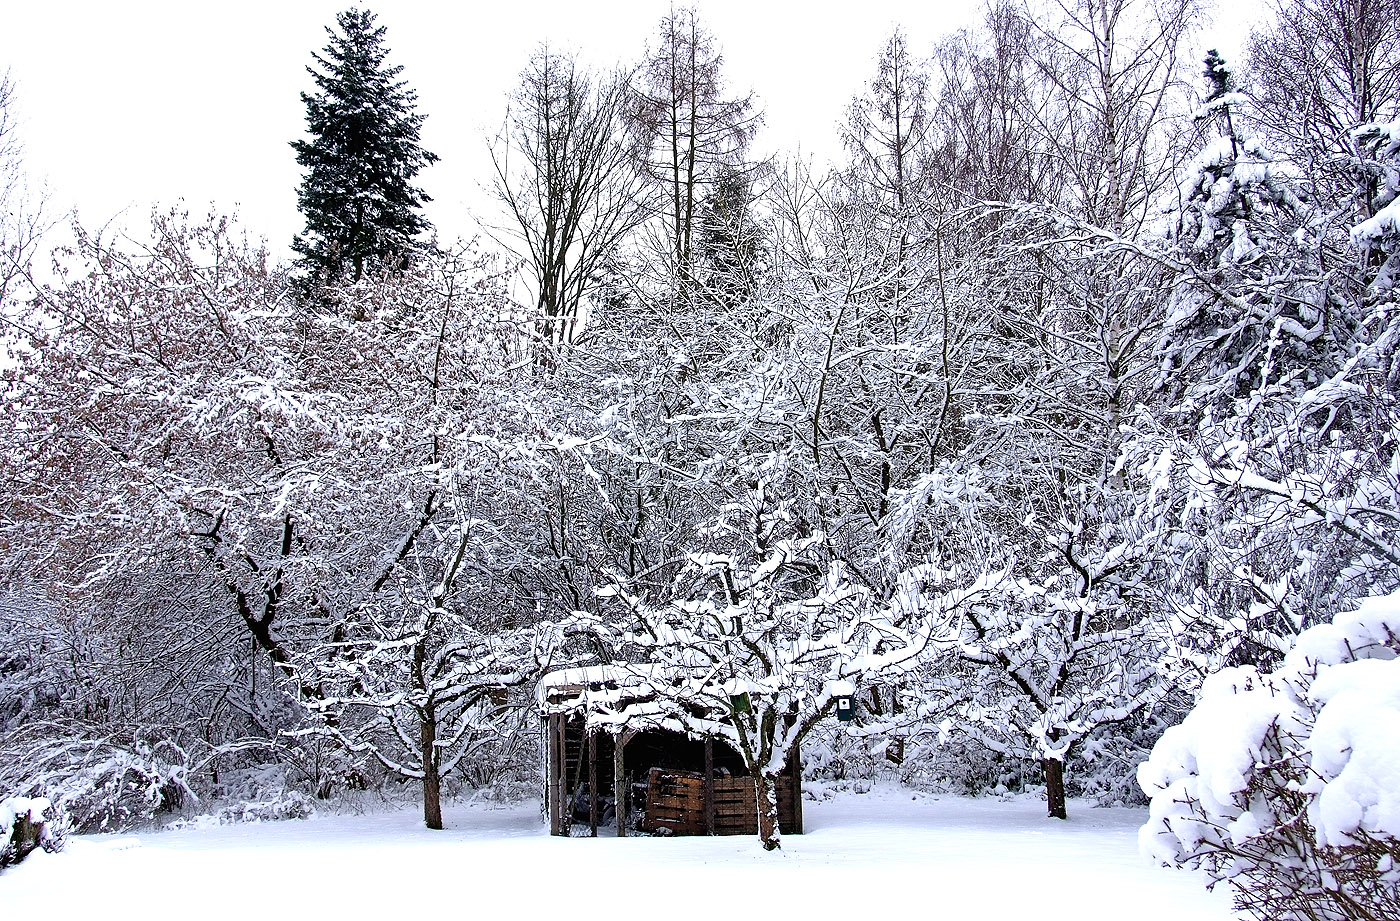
[846,708]
[740,702]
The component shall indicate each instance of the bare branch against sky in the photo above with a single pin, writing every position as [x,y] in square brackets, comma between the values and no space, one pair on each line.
[126,105]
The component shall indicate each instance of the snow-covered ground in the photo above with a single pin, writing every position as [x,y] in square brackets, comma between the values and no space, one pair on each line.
[865,855]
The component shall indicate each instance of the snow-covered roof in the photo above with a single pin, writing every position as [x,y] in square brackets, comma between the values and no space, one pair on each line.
[582,675]
[623,695]
[617,675]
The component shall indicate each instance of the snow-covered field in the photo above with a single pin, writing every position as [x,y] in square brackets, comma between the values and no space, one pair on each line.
[890,850]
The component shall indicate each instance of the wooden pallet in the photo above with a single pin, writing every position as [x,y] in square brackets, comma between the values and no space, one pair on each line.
[736,809]
[675,803]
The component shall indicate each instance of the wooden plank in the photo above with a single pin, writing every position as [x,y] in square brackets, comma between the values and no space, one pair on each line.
[563,749]
[620,791]
[676,795]
[685,792]
[556,824]
[709,786]
[737,810]
[736,799]
[675,802]
[733,794]
[551,796]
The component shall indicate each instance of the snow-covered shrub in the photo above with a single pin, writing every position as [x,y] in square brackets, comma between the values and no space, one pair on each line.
[1287,784]
[966,767]
[1104,768]
[27,823]
[929,760]
[102,784]
[833,755]
[289,805]
[1379,146]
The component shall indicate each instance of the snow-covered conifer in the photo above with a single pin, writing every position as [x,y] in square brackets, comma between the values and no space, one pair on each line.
[358,198]
[1379,145]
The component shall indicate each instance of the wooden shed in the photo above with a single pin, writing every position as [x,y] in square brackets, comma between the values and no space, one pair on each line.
[644,774]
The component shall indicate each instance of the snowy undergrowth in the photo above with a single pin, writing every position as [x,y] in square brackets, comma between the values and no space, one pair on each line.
[890,849]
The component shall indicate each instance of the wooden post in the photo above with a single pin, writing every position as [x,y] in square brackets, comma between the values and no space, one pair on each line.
[709,786]
[620,786]
[796,762]
[562,747]
[592,785]
[551,770]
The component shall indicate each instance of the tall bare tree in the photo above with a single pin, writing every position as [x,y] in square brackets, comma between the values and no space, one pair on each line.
[566,173]
[983,112]
[22,219]
[886,127]
[690,129]
[1111,69]
[1323,68]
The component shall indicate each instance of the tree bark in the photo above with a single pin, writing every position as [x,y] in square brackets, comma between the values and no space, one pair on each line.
[1055,787]
[767,799]
[432,783]
[23,838]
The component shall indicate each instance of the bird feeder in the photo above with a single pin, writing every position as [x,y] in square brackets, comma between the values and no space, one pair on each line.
[843,693]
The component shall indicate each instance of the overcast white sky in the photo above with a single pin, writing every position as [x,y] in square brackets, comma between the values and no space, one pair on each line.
[125,105]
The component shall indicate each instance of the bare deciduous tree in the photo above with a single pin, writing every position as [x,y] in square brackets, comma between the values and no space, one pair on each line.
[1323,68]
[566,173]
[689,127]
[22,220]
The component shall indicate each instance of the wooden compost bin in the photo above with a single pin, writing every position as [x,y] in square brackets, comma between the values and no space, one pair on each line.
[676,804]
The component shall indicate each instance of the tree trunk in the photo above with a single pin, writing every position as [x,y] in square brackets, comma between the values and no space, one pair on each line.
[1055,787]
[767,798]
[432,783]
[620,791]
[23,838]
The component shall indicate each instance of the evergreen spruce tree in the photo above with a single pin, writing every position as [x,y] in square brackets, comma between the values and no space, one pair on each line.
[358,197]
[1235,231]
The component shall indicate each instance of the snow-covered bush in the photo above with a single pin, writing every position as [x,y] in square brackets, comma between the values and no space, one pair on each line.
[288,805]
[103,784]
[1287,784]
[1104,768]
[28,823]
[835,756]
